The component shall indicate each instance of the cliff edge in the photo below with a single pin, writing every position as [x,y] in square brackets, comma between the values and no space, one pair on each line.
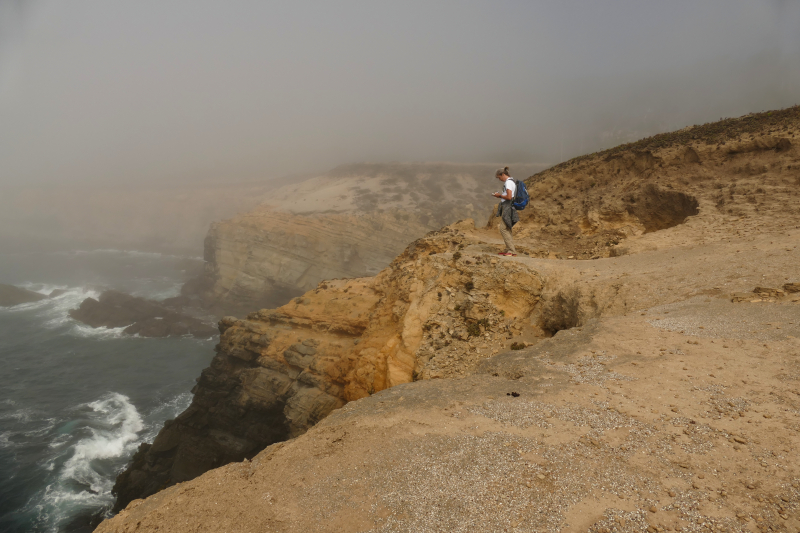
[579,393]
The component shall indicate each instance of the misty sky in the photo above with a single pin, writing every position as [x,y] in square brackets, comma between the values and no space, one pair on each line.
[114,91]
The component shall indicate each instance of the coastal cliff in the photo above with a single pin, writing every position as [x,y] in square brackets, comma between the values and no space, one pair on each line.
[665,220]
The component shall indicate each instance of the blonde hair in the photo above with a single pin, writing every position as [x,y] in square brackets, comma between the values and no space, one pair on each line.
[501,171]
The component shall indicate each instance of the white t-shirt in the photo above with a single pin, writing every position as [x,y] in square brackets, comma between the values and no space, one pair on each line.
[510,185]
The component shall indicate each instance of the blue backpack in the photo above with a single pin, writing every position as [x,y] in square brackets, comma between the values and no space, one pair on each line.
[521,197]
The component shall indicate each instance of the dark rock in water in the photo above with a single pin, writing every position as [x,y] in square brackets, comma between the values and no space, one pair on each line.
[11,295]
[178,302]
[146,318]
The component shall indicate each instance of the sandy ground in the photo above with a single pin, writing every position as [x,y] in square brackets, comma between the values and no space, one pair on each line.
[681,416]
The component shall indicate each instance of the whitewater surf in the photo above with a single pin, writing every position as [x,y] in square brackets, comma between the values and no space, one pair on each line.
[77,401]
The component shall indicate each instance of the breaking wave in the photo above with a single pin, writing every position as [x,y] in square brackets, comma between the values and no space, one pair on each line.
[83,472]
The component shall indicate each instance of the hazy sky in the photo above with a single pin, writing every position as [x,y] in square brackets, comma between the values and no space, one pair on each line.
[163,90]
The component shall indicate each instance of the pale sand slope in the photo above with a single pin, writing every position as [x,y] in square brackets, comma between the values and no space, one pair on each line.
[685,416]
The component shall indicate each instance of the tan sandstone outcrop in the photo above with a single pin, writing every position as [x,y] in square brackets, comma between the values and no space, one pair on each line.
[677,224]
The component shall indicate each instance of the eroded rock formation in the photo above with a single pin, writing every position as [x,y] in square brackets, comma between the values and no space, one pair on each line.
[587,207]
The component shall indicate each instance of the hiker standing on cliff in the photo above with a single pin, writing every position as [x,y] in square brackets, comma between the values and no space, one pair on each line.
[505,211]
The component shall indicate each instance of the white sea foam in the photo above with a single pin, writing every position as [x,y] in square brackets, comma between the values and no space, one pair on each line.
[24,415]
[47,425]
[119,425]
[21,308]
[114,427]
[42,288]
[82,330]
[54,312]
[59,441]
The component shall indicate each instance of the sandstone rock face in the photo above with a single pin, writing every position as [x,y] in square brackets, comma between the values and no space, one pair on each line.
[11,295]
[351,222]
[278,372]
[146,318]
[662,239]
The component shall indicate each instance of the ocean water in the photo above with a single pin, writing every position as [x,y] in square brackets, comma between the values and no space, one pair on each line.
[76,402]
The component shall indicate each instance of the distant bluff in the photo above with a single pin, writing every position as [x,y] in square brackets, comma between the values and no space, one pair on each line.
[349,222]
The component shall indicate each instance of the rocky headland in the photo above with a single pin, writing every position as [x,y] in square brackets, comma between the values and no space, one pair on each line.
[139,316]
[11,295]
[634,369]
[350,222]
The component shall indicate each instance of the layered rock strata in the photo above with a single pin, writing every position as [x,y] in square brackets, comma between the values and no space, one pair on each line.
[448,303]
[278,372]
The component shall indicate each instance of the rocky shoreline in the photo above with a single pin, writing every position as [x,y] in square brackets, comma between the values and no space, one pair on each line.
[139,316]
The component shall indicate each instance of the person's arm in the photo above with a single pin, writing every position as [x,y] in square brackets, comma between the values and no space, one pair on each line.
[505,196]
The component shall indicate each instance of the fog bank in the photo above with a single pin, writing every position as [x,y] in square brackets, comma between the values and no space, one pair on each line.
[147,91]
